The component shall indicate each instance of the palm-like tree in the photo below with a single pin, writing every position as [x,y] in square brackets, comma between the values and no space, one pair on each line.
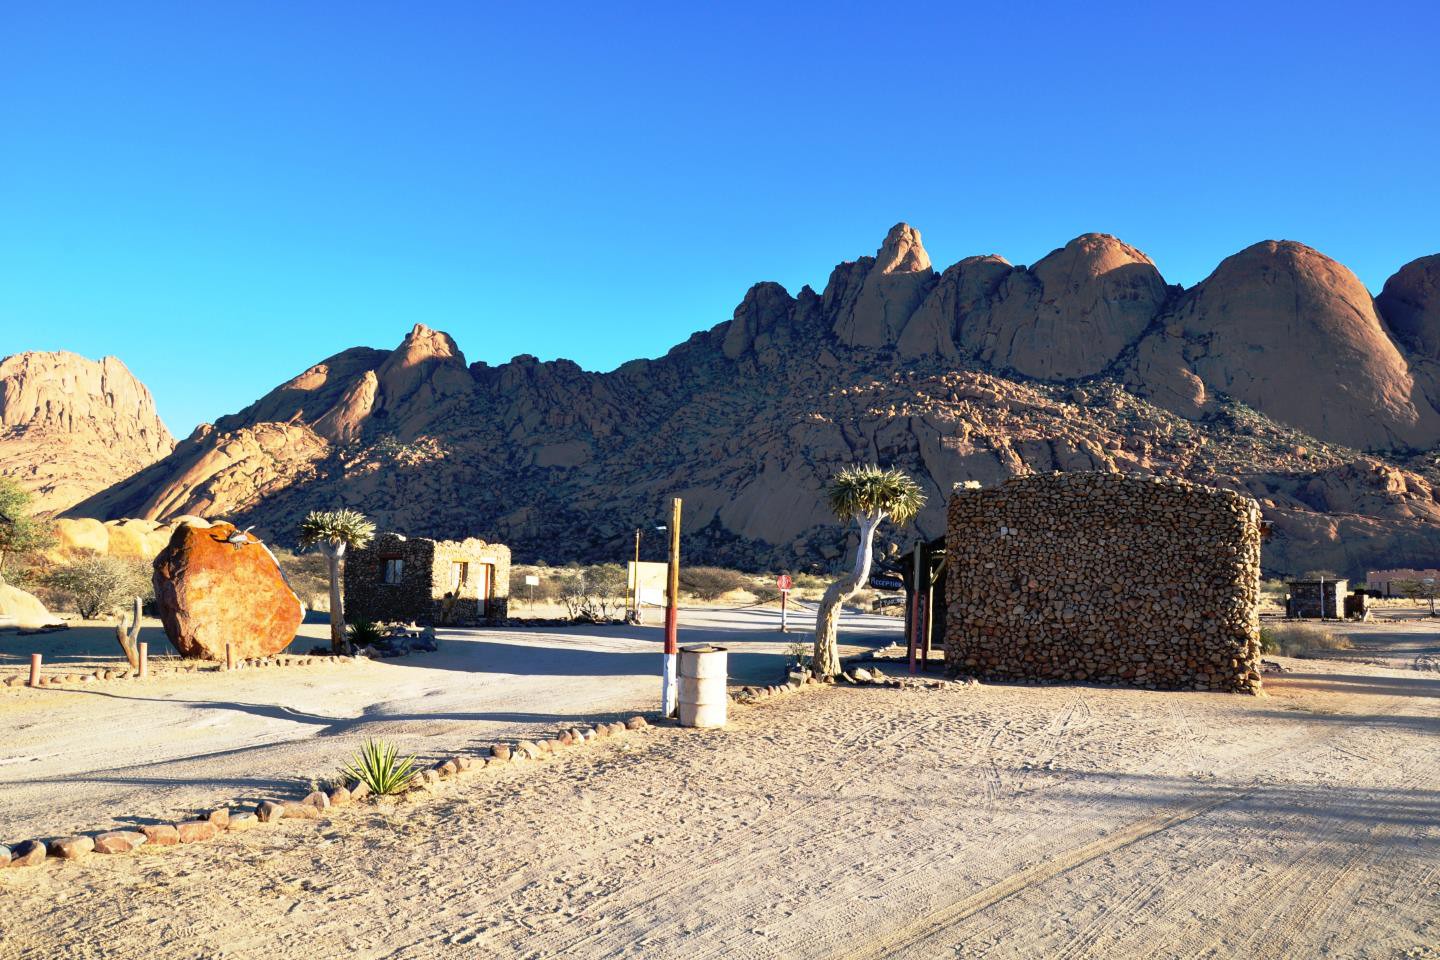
[334,531]
[867,495]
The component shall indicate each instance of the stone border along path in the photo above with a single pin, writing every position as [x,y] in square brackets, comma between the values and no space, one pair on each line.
[56,679]
[221,819]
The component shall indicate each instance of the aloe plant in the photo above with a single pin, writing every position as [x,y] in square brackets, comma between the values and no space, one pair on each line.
[364,633]
[379,766]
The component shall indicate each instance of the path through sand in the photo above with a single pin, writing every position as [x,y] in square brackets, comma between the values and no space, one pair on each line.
[71,759]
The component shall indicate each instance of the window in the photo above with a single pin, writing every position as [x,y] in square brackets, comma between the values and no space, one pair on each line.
[394,569]
[459,575]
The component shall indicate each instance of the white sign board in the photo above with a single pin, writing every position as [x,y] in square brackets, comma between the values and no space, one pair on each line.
[531,580]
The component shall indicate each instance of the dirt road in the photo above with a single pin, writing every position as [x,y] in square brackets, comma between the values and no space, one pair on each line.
[73,758]
[967,821]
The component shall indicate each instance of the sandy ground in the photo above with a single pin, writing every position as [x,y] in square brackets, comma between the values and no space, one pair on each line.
[81,758]
[964,821]
[1397,635]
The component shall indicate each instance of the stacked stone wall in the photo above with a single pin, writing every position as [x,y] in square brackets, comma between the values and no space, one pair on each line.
[1104,577]
[420,596]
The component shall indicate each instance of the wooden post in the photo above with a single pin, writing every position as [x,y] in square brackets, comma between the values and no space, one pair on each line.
[929,621]
[672,616]
[35,669]
[144,660]
[914,605]
[229,656]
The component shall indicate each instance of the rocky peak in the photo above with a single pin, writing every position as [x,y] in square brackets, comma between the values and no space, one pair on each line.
[70,426]
[1410,306]
[1072,313]
[1272,324]
[902,251]
[871,299]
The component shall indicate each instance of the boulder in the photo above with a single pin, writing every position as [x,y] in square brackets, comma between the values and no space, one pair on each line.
[210,592]
[26,610]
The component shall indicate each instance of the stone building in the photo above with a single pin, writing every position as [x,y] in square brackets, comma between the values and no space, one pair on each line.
[1393,583]
[441,582]
[1104,577]
[1323,599]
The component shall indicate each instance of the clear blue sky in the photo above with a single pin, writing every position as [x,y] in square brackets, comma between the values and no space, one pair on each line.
[223,194]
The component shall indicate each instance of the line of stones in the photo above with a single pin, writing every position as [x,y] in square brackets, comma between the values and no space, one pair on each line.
[130,673]
[34,852]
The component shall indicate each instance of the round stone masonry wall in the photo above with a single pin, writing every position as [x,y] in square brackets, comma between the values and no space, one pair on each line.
[1104,577]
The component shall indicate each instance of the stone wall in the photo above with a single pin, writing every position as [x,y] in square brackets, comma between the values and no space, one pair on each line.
[1107,578]
[426,592]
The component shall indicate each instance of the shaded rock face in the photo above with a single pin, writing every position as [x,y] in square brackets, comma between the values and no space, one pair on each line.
[872,298]
[940,375]
[1269,327]
[210,593]
[70,427]
[1071,314]
[1410,306]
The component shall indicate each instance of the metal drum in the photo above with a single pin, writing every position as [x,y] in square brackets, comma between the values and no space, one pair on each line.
[703,696]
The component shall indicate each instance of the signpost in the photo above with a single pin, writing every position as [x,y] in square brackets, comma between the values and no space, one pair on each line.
[532,582]
[880,603]
[786,585]
[883,581]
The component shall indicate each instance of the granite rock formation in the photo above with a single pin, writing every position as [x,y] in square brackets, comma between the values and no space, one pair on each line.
[70,427]
[210,592]
[1274,377]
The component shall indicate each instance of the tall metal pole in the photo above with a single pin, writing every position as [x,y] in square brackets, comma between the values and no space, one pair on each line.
[784,614]
[668,704]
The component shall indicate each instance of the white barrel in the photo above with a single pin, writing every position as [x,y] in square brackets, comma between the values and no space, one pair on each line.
[702,694]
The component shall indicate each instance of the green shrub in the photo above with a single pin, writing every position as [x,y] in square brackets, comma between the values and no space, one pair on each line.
[97,585]
[380,768]
[712,583]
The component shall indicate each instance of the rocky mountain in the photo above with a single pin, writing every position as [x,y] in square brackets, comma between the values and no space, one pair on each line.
[70,427]
[1277,375]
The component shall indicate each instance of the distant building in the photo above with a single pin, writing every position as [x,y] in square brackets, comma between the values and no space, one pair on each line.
[1388,582]
[1317,599]
[439,582]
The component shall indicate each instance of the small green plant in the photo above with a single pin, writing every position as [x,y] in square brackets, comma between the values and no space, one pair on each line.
[799,654]
[379,766]
[364,633]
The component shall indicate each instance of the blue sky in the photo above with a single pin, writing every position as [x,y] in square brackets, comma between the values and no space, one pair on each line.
[223,194]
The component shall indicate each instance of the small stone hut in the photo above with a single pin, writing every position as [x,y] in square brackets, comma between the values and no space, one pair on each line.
[439,582]
[1104,577]
[1321,599]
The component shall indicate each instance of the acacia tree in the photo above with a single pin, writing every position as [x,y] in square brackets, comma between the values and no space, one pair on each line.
[20,533]
[335,531]
[869,496]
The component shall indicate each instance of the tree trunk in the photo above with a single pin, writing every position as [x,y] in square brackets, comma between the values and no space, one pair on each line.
[826,659]
[333,553]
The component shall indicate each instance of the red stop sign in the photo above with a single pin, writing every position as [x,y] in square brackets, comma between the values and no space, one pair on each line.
[784,582]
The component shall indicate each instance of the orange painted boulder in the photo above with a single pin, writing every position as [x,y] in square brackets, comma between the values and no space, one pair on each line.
[211,592]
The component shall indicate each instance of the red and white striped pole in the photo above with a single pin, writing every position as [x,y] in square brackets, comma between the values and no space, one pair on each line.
[668,705]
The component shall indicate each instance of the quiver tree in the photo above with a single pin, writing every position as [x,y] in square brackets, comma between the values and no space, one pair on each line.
[335,531]
[869,496]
